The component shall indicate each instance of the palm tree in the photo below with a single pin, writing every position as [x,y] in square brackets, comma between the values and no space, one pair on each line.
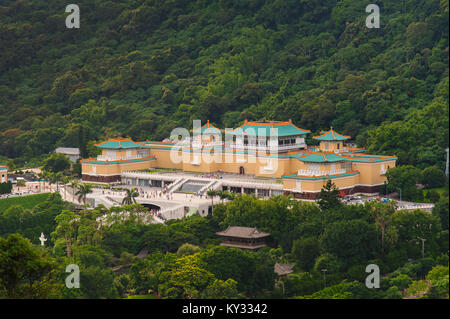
[382,213]
[50,178]
[225,195]
[130,197]
[74,185]
[45,177]
[83,190]
[211,193]
[65,180]
[57,178]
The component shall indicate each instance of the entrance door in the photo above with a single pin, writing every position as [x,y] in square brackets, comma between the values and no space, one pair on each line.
[241,170]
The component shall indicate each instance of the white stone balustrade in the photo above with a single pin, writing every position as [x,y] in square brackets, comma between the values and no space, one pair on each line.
[308,172]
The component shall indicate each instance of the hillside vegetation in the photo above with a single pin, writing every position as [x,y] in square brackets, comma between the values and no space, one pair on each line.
[140,68]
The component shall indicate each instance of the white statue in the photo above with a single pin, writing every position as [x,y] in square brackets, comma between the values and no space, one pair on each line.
[42,239]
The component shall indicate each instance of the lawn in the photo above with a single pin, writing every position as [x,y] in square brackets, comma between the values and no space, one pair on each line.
[28,202]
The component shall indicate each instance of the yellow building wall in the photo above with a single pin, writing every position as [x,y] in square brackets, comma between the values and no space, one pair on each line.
[253,165]
[121,153]
[371,172]
[115,169]
[163,158]
[316,185]
[332,146]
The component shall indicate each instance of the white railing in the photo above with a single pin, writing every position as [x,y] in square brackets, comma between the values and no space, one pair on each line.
[253,184]
[289,146]
[309,172]
[268,147]
[110,158]
[148,175]
[174,185]
[237,181]
[209,186]
[204,144]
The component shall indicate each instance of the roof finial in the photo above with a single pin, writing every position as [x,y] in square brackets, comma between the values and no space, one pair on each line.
[245,121]
[290,121]
[331,127]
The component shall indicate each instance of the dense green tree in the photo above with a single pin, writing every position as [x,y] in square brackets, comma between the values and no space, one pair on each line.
[382,213]
[351,241]
[66,229]
[329,196]
[329,263]
[414,224]
[220,289]
[26,271]
[56,162]
[187,249]
[306,251]
[441,210]
[433,177]
[97,283]
[404,179]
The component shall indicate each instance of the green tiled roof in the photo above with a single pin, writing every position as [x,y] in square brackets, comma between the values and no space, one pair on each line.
[119,144]
[321,177]
[207,129]
[321,157]
[331,136]
[269,129]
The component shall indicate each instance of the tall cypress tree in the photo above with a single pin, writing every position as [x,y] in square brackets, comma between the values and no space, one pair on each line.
[329,196]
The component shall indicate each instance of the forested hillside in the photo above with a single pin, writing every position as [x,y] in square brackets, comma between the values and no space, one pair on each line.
[140,68]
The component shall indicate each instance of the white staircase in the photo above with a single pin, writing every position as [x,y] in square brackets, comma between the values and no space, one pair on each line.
[211,185]
[176,185]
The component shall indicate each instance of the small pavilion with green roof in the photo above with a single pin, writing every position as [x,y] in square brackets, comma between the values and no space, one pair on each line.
[122,148]
[331,141]
[258,134]
[116,144]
